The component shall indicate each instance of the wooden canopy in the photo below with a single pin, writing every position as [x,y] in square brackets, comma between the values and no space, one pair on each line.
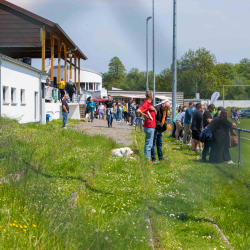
[25,34]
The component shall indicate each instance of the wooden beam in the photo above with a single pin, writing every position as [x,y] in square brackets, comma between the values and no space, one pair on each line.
[75,62]
[70,72]
[65,63]
[52,42]
[79,72]
[43,46]
[59,61]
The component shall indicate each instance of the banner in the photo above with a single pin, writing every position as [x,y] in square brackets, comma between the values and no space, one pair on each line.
[214,97]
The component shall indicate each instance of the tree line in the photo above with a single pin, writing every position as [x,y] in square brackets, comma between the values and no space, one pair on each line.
[195,68]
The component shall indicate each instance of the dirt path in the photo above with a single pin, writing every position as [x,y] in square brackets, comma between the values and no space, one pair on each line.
[120,131]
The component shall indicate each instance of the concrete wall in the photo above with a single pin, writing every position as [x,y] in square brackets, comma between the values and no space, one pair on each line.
[55,111]
[230,103]
[19,76]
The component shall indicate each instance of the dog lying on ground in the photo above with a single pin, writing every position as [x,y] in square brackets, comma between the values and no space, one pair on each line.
[122,152]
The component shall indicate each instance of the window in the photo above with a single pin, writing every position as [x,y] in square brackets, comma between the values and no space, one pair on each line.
[96,86]
[22,96]
[13,95]
[5,95]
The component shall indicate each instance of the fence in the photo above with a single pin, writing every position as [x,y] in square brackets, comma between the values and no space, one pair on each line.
[239,130]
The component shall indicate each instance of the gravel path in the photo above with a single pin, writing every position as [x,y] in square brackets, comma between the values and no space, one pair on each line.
[120,131]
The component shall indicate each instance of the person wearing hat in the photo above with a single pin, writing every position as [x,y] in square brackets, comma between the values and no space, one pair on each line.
[161,126]
[70,88]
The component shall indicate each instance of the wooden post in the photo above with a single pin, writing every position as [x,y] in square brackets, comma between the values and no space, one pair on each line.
[59,60]
[70,72]
[52,42]
[43,46]
[79,72]
[65,63]
[75,67]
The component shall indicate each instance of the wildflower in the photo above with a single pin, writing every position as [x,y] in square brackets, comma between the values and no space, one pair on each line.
[25,226]
[0,227]
[14,200]
[103,211]
[93,210]
[13,224]
[106,238]
[20,226]
[24,230]
[15,221]
[5,230]
[16,225]
[34,225]
[10,224]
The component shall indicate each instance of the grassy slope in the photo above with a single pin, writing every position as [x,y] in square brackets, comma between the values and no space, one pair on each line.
[111,209]
[190,192]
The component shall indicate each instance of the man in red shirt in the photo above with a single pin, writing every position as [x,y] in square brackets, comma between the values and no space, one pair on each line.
[148,111]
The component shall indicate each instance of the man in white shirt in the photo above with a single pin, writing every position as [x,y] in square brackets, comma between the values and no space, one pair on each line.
[101,109]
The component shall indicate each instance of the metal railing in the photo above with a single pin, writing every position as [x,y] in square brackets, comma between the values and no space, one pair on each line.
[239,143]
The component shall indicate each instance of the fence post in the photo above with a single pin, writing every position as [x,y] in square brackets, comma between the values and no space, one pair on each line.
[239,150]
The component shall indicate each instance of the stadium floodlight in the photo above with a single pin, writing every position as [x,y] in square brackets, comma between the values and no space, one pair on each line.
[147,49]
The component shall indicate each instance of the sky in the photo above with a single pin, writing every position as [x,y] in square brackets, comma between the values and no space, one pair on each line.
[103,29]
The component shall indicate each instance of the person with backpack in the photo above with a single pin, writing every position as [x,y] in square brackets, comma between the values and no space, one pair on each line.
[70,88]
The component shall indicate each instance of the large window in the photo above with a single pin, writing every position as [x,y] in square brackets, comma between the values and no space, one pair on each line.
[96,86]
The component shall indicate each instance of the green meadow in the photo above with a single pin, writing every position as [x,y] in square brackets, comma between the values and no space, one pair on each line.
[61,189]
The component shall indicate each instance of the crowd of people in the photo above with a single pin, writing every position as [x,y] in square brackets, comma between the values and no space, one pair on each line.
[197,122]
[113,110]
[201,128]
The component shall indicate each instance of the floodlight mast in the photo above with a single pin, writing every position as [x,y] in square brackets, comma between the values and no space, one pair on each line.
[153,52]
[147,49]
[174,76]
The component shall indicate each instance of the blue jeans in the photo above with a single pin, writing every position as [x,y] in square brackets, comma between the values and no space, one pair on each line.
[110,119]
[65,118]
[205,150]
[101,115]
[149,137]
[118,116]
[158,143]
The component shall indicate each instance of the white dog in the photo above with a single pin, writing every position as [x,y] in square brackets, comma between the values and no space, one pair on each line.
[122,152]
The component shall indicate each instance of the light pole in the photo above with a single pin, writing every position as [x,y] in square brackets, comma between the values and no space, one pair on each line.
[154,52]
[174,77]
[147,49]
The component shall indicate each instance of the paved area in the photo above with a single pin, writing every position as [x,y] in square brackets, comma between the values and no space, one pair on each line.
[120,131]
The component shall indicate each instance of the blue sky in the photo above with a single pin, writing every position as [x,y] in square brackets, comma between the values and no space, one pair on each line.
[107,28]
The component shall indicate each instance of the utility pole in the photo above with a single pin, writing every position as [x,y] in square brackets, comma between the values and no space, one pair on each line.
[154,52]
[174,77]
[147,49]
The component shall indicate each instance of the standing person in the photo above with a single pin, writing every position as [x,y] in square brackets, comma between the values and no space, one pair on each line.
[207,118]
[179,109]
[196,126]
[179,124]
[129,109]
[118,113]
[65,110]
[47,81]
[125,112]
[187,124]
[101,109]
[62,88]
[161,126]
[133,113]
[221,141]
[110,105]
[70,88]
[148,112]
[91,107]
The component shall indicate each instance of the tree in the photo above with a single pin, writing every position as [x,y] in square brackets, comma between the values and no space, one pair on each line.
[116,74]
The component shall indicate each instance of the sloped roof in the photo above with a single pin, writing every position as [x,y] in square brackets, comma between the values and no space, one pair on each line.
[54,27]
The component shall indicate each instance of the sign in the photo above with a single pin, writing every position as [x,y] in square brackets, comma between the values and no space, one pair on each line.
[214,97]
[197,96]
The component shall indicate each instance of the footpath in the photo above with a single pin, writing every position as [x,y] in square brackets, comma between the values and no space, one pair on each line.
[120,131]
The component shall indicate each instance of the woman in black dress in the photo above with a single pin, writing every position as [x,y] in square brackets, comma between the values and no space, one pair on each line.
[221,141]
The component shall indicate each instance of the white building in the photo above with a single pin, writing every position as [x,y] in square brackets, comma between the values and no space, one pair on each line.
[90,80]
[20,90]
